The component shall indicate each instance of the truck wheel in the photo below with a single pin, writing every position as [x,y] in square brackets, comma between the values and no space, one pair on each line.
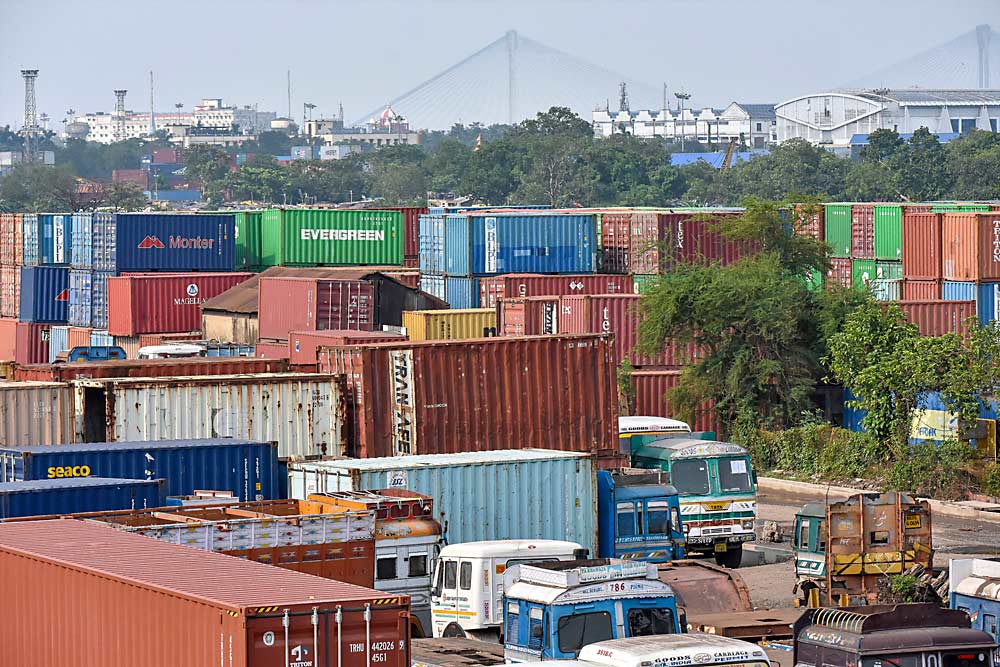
[734,556]
[453,630]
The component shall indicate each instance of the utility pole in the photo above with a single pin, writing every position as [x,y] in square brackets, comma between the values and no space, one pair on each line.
[289,94]
[663,112]
[152,112]
[681,97]
[30,129]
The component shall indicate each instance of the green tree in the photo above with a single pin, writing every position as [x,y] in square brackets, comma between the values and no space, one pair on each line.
[448,164]
[882,146]
[492,172]
[557,121]
[793,168]
[35,188]
[326,180]
[265,184]
[559,173]
[124,196]
[921,171]
[208,165]
[973,163]
[871,181]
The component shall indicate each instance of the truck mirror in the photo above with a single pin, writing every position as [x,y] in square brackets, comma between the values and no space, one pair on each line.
[683,618]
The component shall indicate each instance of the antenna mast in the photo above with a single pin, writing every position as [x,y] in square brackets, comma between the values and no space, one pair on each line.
[152,112]
[120,115]
[30,129]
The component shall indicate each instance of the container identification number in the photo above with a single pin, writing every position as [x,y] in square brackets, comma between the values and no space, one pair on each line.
[68,471]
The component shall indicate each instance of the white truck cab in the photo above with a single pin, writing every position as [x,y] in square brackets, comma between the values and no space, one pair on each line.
[171,351]
[692,649]
[467,593]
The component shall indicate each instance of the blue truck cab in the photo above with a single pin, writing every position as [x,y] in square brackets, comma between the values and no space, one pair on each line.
[639,516]
[552,610]
[974,587]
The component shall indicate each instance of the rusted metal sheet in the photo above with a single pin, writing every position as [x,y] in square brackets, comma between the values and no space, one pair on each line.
[11,239]
[616,242]
[652,399]
[304,304]
[434,397]
[455,652]
[303,413]
[164,605]
[751,626]
[921,245]
[921,290]
[971,246]
[520,285]
[303,346]
[617,314]
[10,291]
[35,413]
[705,588]
[144,368]
[936,318]
[31,342]
[840,272]
[646,247]
[863,231]
[530,316]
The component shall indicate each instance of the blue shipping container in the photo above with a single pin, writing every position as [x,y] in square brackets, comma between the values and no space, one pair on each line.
[482,245]
[433,285]
[169,242]
[88,298]
[246,468]
[47,238]
[29,242]
[431,243]
[462,292]
[102,240]
[101,339]
[85,494]
[82,241]
[58,341]
[986,296]
[44,294]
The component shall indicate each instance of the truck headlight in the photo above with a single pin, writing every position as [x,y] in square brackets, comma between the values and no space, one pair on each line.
[748,525]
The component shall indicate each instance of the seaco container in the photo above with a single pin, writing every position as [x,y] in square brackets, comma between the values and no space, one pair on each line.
[450,324]
[303,413]
[166,605]
[513,285]
[530,316]
[652,399]
[921,245]
[44,294]
[84,494]
[971,246]
[35,413]
[429,397]
[837,229]
[528,493]
[163,303]
[489,244]
[11,239]
[313,304]
[936,318]
[247,469]
[863,231]
[47,239]
[145,368]
[888,229]
[303,346]
[311,237]
[170,242]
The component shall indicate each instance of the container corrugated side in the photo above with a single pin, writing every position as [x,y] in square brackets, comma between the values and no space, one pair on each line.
[82,240]
[989,246]
[303,346]
[606,313]
[146,368]
[47,239]
[79,337]
[101,338]
[863,231]
[988,302]
[80,309]
[333,237]
[921,245]
[58,341]
[431,241]
[248,469]
[306,304]
[921,290]
[530,316]
[411,227]
[172,242]
[29,239]
[461,293]
[837,229]
[450,324]
[35,413]
[887,290]
[69,496]
[44,294]
[840,273]
[615,235]
[534,494]
[519,285]
[303,413]
[959,246]
[31,343]
[652,399]
[11,239]
[888,223]
[10,291]
[936,318]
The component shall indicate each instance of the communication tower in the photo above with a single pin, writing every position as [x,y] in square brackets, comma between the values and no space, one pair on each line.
[30,129]
[120,115]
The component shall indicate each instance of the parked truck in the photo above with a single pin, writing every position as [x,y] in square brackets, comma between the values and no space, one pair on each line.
[696,649]
[639,516]
[844,548]
[974,587]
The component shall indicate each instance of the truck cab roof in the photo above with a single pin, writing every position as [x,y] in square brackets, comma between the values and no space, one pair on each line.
[692,448]
[584,581]
[813,510]
[975,577]
[692,648]
[516,549]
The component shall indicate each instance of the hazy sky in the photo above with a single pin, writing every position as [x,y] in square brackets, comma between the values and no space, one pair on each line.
[365,53]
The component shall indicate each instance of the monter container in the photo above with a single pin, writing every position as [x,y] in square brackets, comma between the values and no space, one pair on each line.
[11,239]
[47,239]
[450,324]
[146,368]
[971,246]
[35,413]
[556,392]
[837,229]
[44,294]
[921,245]
[163,303]
[529,493]
[247,469]
[888,222]
[863,231]
[303,413]
[165,605]
[303,346]
[490,244]
[171,242]
[652,399]
[310,237]
[519,285]
[936,318]
[86,494]
[307,304]
[530,316]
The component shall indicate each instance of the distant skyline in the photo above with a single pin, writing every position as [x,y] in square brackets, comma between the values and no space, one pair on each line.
[363,54]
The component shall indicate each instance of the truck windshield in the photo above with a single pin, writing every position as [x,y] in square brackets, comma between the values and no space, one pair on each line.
[643,622]
[578,630]
[734,475]
[690,476]
[658,517]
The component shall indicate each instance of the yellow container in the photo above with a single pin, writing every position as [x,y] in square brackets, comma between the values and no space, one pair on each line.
[450,324]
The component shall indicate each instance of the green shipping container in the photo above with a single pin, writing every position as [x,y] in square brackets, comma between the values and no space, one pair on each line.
[889,270]
[863,271]
[642,283]
[960,208]
[838,229]
[888,231]
[315,237]
[813,280]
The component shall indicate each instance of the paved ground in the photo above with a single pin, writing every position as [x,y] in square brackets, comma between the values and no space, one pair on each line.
[771,585]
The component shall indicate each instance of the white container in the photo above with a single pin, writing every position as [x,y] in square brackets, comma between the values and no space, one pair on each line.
[302,412]
[35,413]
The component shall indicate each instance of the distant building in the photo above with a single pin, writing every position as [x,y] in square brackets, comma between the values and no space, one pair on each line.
[832,119]
[387,129]
[750,124]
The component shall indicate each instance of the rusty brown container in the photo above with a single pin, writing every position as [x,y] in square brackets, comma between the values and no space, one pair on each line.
[79,337]
[439,397]
[960,246]
[840,272]
[520,285]
[617,314]
[989,246]
[303,346]
[616,242]
[271,349]
[652,389]
[11,239]
[811,225]
[141,368]
[646,247]
[936,318]
[118,600]
[530,316]
[863,231]
[921,244]
[921,290]
[10,291]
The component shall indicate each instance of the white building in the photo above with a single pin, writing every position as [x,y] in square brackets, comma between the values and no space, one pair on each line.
[831,119]
[752,124]
[387,129]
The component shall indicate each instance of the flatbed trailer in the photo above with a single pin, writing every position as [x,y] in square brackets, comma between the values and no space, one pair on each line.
[454,652]
[751,626]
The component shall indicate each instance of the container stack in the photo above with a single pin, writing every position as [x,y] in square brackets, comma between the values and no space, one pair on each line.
[970,260]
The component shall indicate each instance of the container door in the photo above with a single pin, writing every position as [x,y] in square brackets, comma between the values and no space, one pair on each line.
[282,639]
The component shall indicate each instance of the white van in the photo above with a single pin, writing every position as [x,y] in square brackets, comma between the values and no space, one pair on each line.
[693,649]
[467,594]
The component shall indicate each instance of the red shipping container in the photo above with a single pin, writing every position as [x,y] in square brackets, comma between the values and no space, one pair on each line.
[11,239]
[617,314]
[520,285]
[970,246]
[936,318]
[921,290]
[313,304]
[530,316]
[921,245]
[138,176]
[652,389]
[411,262]
[166,156]
[863,231]
[810,225]
[646,245]
[143,368]
[271,349]
[79,337]
[10,291]
[8,339]
[118,599]
[411,227]
[31,343]
[161,303]
[839,273]
[303,346]
[437,397]
[616,242]
[410,278]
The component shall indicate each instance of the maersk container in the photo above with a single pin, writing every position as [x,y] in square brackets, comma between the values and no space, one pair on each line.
[484,244]
[58,341]
[44,294]
[310,237]
[172,242]
[838,229]
[47,239]
[85,494]
[246,468]
[461,292]
[82,240]
[35,413]
[889,231]
[494,495]
[303,413]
